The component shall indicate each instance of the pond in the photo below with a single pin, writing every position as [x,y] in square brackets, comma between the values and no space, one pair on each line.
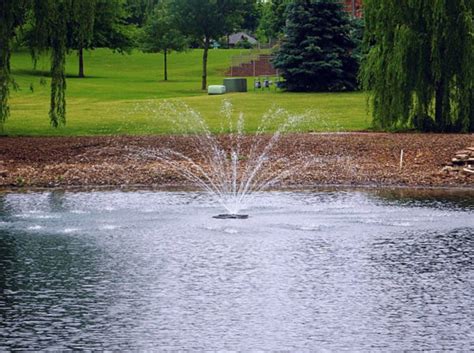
[331,270]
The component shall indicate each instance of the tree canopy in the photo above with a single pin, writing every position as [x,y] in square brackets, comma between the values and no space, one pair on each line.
[12,15]
[205,20]
[316,53]
[419,64]
[272,19]
[50,23]
[99,24]
[138,10]
[160,34]
[56,27]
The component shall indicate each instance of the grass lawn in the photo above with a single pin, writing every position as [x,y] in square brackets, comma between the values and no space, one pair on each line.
[108,101]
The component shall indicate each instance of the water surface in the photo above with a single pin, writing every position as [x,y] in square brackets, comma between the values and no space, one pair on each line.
[309,270]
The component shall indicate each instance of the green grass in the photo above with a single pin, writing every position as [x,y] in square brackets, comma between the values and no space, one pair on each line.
[106,102]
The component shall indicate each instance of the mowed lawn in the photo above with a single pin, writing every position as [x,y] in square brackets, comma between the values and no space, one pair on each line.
[120,92]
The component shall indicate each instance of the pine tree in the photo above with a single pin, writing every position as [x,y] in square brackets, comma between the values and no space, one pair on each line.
[316,52]
[419,64]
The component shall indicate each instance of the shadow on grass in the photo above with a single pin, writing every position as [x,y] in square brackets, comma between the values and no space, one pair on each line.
[45,73]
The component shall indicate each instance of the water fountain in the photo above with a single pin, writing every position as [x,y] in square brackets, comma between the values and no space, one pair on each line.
[230,165]
[150,270]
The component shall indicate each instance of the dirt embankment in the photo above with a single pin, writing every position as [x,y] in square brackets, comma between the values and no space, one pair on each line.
[339,159]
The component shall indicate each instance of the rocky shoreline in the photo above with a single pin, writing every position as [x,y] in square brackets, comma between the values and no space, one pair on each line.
[349,159]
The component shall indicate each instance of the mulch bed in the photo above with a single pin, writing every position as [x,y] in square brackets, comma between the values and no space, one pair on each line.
[340,159]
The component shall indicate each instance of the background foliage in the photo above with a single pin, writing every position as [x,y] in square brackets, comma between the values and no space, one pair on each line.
[316,53]
[419,64]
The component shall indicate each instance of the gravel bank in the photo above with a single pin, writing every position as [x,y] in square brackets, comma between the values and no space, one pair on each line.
[338,159]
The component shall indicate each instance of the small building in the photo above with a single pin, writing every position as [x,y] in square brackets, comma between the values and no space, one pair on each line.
[235,38]
[353,7]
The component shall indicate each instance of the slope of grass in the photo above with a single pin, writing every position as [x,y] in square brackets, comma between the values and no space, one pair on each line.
[110,100]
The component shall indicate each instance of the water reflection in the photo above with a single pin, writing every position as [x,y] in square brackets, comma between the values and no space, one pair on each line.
[308,271]
[436,198]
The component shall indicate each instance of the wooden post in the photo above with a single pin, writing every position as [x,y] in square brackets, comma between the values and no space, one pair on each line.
[401,159]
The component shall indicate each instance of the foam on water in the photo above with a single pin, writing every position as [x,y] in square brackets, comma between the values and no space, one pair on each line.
[35,227]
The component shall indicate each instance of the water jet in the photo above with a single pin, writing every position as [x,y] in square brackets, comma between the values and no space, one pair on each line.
[230,164]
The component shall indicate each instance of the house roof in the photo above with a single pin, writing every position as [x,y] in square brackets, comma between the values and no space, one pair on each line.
[239,36]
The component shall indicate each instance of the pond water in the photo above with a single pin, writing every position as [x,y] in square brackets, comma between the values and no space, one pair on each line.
[355,270]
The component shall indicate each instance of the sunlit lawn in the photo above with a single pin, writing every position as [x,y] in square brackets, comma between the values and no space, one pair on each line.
[110,100]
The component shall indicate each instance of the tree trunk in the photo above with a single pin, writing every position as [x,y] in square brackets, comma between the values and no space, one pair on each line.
[81,63]
[166,64]
[204,63]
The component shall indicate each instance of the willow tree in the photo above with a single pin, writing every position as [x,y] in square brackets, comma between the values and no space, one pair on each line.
[98,24]
[50,29]
[12,15]
[419,64]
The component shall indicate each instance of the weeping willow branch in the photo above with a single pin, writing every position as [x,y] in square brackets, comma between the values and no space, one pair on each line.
[57,112]
[60,10]
[4,80]
[11,16]
[418,64]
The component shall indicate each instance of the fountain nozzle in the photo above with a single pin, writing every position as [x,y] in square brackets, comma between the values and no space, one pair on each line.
[231,216]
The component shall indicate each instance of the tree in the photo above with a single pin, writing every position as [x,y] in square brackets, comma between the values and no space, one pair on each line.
[316,52]
[92,24]
[160,34]
[12,15]
[278,16]
[138,11]
[82,28]
[49,20]
[98,24]
[50,33]
[272,18]
[418,66]
[250,15]
[205,20]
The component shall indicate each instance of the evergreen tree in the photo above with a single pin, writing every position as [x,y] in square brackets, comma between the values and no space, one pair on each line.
[316,52]
[419,66]
[160,34]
